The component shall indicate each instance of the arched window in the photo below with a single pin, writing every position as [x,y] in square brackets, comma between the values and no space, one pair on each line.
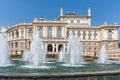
[21,52]
[60,46]
[109,34]
[59,32]
[40,32]
[49,48]
[30,32]
[49,32]
[17,34]
[12,34]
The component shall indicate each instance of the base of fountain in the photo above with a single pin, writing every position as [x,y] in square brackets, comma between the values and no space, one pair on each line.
[105,75]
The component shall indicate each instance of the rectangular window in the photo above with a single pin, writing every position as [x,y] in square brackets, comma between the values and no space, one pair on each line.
[78,21]
[72,21]
[12,45]
[49,32]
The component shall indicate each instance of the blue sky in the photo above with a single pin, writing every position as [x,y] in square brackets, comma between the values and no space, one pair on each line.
[17,11]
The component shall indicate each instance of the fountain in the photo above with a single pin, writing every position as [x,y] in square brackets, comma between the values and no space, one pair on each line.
[36,56]
[26,55]
[37,50]
[75,50]
[61,55]
[4,49]
[103,56]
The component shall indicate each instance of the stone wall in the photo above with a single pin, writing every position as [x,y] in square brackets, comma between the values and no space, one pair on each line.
[106,75]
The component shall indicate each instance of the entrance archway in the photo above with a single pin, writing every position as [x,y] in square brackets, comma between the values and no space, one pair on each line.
[49,48]
[60,46]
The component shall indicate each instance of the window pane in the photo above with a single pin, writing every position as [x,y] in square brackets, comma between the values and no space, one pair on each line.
[41,32]
[49,32]
[59,32]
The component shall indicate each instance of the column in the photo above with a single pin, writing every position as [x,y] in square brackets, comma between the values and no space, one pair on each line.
[62,31]
[64,47]
[45,31]
[55,31]
[76,33]
[53,48]
[24,33]
[104,34]
[56,48]
[92,35]
[11,35]
[116,33]
[14,34]
[106,37]
[86,37]
[65,32]
[81,36]
[46,47]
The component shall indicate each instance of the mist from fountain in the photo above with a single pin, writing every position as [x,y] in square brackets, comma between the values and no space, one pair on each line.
[103,56]
[4,49]
[61,55]
[26,55]
[37,55]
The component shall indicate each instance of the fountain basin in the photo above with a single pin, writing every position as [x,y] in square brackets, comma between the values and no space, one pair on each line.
[89,71]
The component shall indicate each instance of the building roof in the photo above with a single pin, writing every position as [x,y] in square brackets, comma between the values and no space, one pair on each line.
[70,13]
[73,15]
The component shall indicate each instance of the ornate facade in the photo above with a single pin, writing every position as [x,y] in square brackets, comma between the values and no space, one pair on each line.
[54,34]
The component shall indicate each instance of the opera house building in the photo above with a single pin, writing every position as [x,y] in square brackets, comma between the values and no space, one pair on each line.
[54,35]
